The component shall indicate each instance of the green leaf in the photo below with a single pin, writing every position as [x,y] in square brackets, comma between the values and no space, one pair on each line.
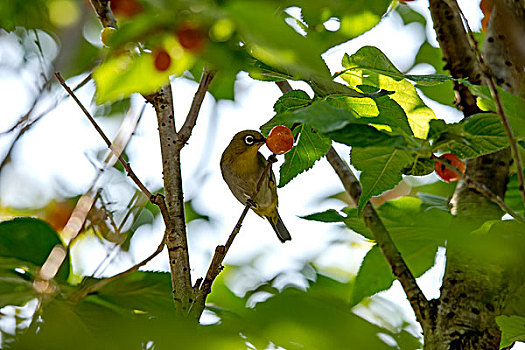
[379,110]
[30,15]
[290,101]
[330,215]
[513,196]
[310,147]
[222,299]
[370,66]
[122,75]
[432,201]
[381,169]
[295,319]
[193,214]
[442,93]
[474,136]
[340,124]
[374,60]
[263,72]
[269,39]
[513,329]
[374,275]
[125,314]
[359,135]
[31,240]
[500,242]
[143,291]
[438,188]
[410,16]
[354,18]
[351,219]
[416,229]
[16,281]
[513,105]
[420,166]
[322,116]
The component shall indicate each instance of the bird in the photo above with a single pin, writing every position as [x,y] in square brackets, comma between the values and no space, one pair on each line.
[241,166]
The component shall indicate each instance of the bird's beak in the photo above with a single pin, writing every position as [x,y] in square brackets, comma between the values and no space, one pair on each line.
[261,141]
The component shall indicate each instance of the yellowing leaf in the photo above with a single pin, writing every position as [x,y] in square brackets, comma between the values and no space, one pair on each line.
[120,76]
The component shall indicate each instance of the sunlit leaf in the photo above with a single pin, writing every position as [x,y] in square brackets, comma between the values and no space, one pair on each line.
[370,66]
[124,74]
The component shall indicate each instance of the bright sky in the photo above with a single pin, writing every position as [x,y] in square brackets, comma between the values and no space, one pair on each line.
[58,157]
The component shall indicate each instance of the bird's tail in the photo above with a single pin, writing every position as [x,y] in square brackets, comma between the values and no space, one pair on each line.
[279,228]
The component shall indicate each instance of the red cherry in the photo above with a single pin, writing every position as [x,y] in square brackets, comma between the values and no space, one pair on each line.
[161,59]
[191,37]
[280,140]
[446,174]
[125,8]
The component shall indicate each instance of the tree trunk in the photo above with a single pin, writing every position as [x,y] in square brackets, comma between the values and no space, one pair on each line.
[474,293]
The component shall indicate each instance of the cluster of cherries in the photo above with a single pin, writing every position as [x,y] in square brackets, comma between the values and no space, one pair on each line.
[190,35]
[281,140]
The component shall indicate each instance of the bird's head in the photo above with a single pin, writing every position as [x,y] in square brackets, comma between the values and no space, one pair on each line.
[246,141]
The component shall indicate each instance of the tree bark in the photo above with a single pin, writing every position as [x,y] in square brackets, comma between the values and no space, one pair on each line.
[474,293]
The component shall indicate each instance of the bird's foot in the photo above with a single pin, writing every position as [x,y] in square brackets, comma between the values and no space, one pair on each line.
[250,202]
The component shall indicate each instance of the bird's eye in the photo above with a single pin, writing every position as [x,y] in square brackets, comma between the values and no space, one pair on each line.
[249,140]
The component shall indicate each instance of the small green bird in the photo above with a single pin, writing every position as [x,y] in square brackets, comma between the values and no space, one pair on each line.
[241,165]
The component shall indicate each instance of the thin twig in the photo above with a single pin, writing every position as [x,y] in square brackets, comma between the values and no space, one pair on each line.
[104,13]
[481,188]
[204,286]
[513,143]
[85,291]
[191,119]
[125,164]
[24,123]
[284,86]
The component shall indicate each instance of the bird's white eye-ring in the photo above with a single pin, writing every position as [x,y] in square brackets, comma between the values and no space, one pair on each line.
[249,140]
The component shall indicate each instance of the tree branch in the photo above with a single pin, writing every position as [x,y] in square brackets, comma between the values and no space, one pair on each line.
[467,66]
[104,13]
[191,119]
[176,239]
[204,286]
[385,243]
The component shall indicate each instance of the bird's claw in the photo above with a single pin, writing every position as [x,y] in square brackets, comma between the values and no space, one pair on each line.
[251,203]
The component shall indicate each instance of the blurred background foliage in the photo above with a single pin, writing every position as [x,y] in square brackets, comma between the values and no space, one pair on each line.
[309,307]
